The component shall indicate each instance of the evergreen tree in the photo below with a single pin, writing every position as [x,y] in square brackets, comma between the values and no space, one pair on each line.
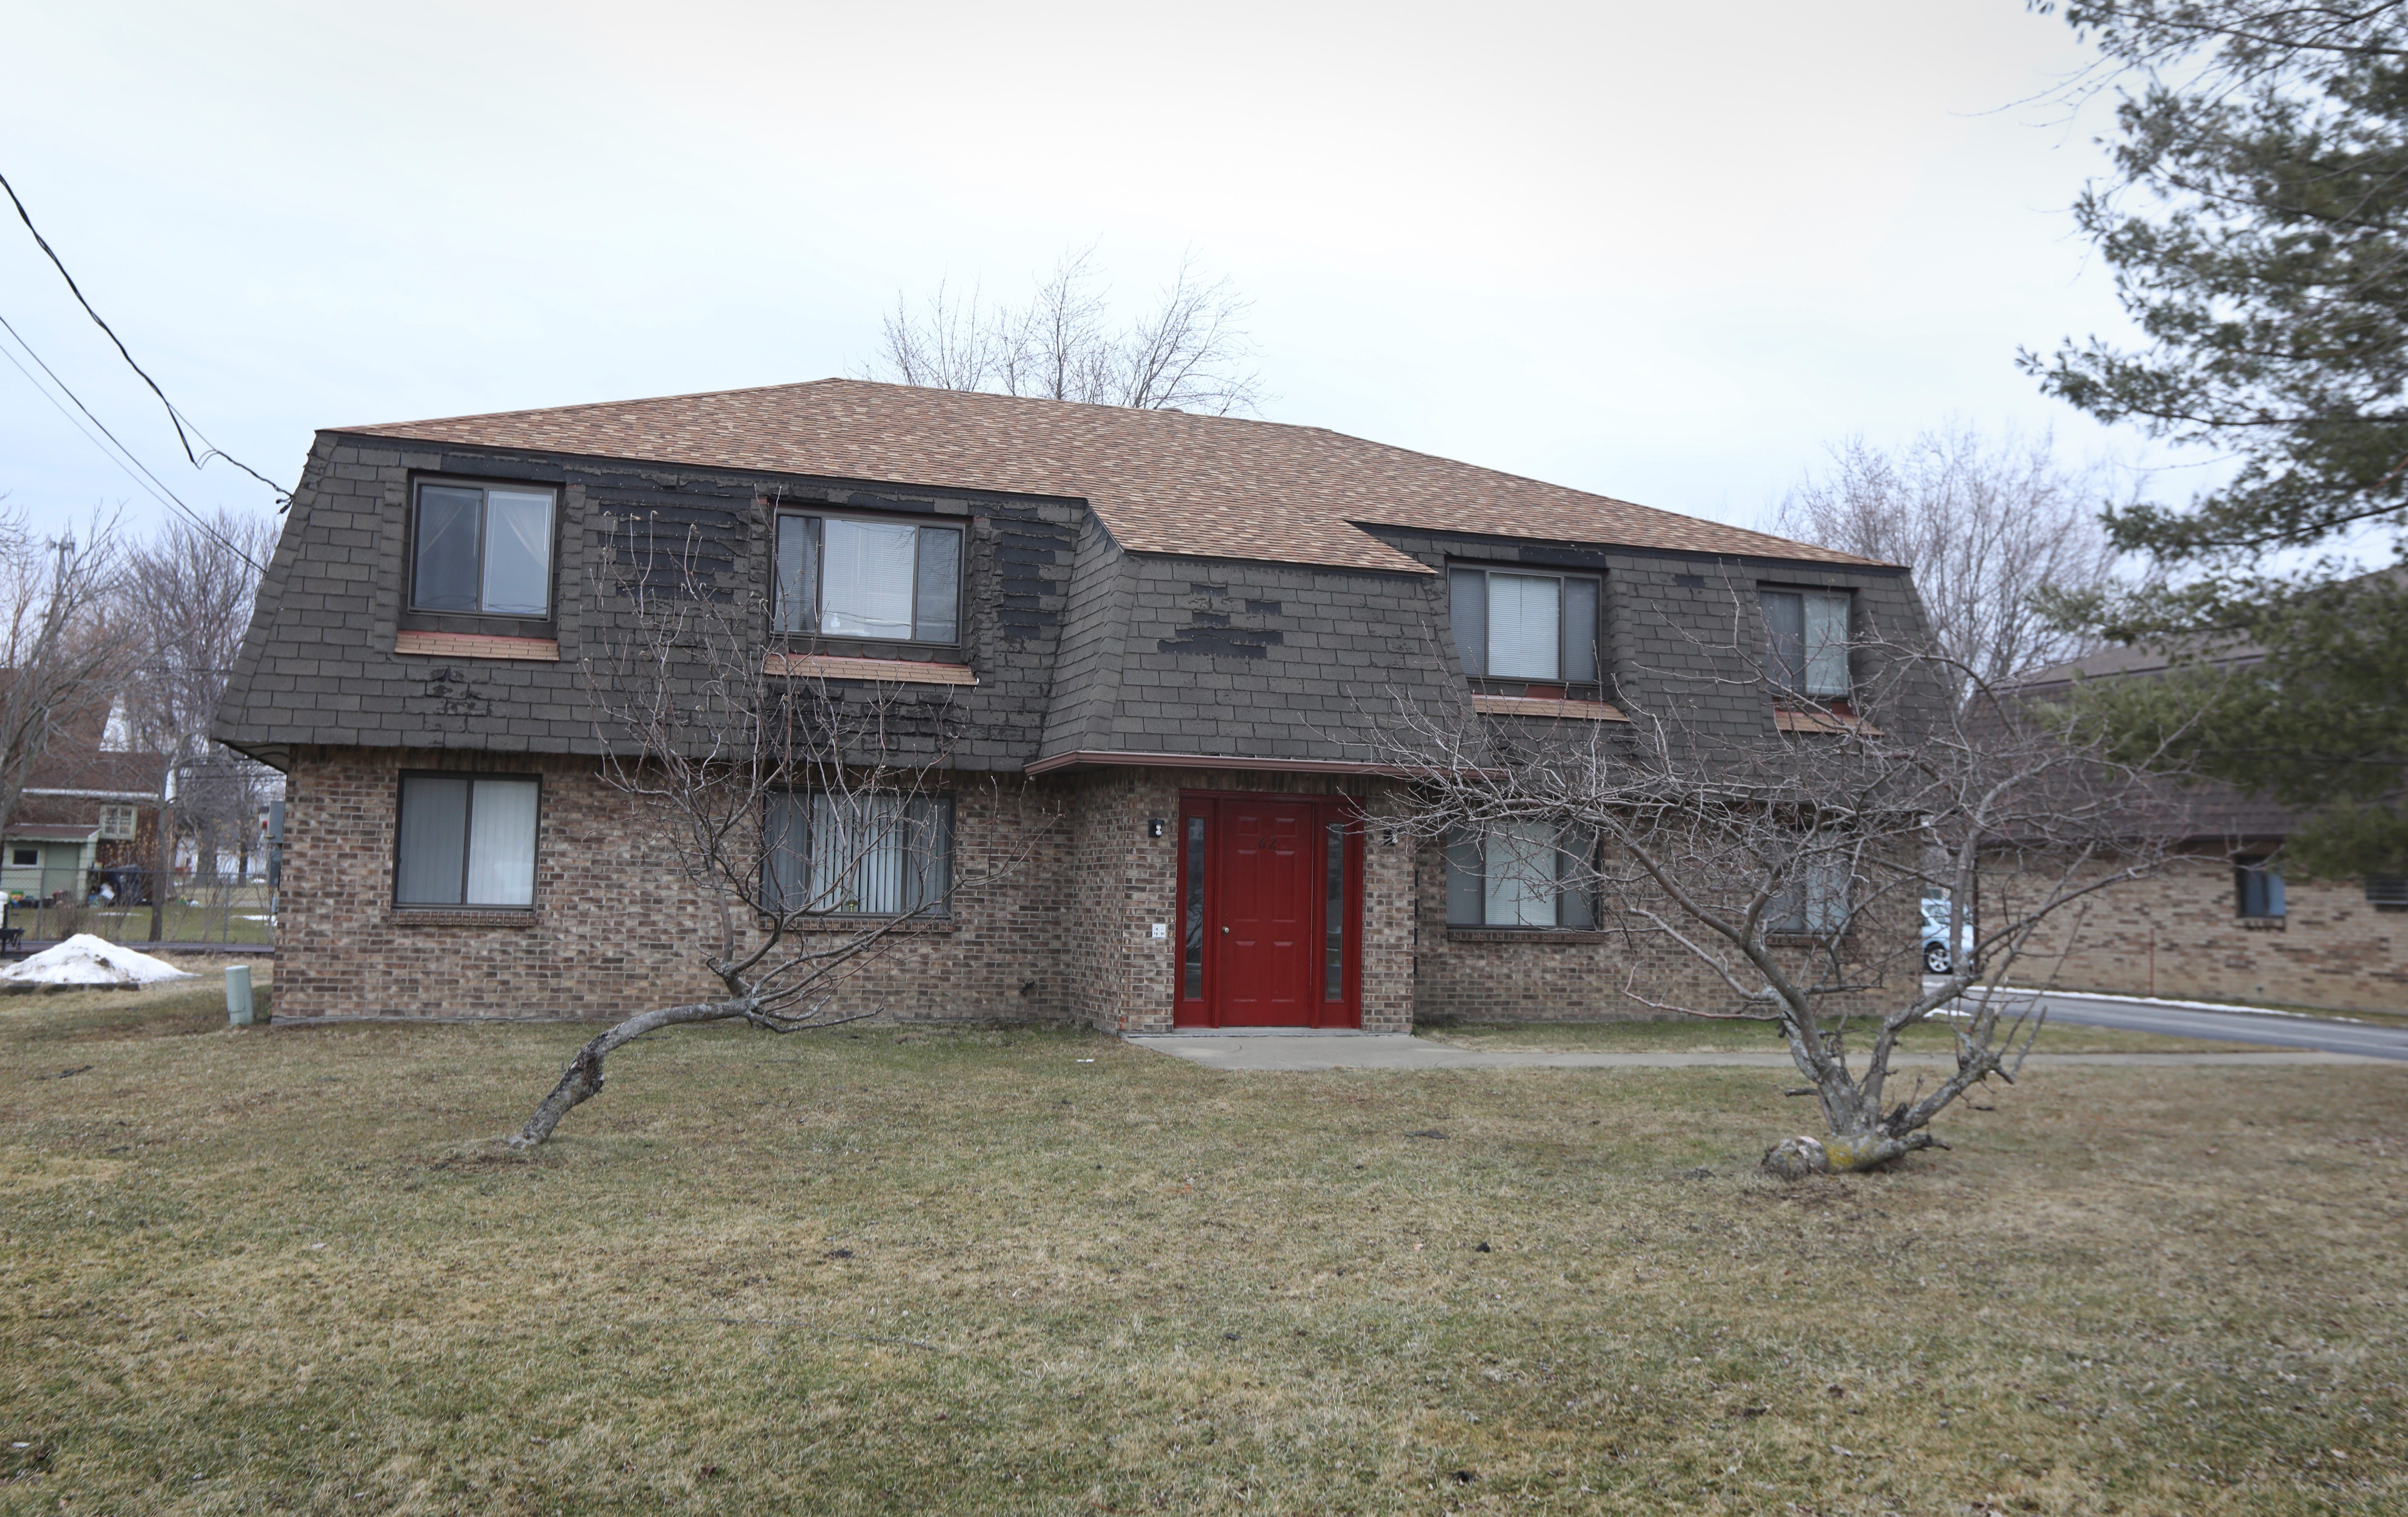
[2257,227]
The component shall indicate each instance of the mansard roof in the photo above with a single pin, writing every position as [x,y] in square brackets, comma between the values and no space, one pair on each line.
[1159,481]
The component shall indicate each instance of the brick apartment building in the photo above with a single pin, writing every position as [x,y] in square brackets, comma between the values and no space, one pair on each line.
[1164,629]
[2232,924]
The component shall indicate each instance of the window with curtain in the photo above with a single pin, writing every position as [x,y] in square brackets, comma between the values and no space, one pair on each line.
[2258,888]
[1524,874]
[481,549]
[466,840]
[842,578]
[1521,625]
[869,855]
[1808,632]
[1814,900]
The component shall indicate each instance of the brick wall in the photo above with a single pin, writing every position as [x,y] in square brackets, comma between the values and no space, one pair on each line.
[2180,935]
[1123,979]
[1486,974]
[1060,926]
[614,930]
[1060,887]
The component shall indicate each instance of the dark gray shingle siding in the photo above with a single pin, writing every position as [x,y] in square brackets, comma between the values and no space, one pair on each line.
[1077,645]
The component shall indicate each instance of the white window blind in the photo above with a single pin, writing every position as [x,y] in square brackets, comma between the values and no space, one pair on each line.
[865,585]
[465,842]
[857,856]
[1827,644]
[1520,859]
[1525,621]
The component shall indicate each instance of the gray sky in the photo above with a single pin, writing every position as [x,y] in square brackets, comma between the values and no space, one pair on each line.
[1664,252]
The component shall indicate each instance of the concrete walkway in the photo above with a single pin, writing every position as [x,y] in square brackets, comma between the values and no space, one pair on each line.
[1284,1048]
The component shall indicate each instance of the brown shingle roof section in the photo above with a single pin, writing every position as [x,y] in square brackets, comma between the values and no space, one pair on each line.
[1161,481]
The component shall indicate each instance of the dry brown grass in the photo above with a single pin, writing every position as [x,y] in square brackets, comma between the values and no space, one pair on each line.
[878,1271]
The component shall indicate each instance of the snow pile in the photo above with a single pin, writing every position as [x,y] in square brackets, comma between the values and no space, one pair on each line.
[86,960]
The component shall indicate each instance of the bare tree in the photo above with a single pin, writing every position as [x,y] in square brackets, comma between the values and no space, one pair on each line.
[1985,526]
[1188,351]
[59,651]
[186,602]
[1788,872]
[809,822]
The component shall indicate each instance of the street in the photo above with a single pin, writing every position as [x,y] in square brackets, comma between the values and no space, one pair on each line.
[2381,1041]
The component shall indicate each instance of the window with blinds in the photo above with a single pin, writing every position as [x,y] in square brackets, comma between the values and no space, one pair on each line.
[466,840]
[871,855]
[1523,874]
[1807,632]
[1525,624]
[839,577]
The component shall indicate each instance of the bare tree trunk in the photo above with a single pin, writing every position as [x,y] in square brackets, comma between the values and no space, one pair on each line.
[583,1078]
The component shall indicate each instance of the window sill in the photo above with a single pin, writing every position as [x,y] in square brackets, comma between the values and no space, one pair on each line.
[1576,710]
[2261,923]
[1786,719]
[475,645]
[459,916]
[889,671]
[1524,935]
[1805,940]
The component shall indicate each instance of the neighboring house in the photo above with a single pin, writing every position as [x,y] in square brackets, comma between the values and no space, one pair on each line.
[90,807]
[2230,924]
[1173,630]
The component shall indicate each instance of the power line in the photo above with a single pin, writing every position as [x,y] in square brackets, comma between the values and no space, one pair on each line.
[151,483]
[181,423]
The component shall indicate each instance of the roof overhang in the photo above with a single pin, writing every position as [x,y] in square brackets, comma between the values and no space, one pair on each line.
[1097,759]
[51,832]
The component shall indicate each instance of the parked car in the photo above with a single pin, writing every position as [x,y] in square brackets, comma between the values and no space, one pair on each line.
[1937,959]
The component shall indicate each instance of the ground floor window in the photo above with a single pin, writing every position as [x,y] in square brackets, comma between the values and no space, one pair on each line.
[466,840]
[1814,900]
[859,855]
[2258,889]
[1523,874]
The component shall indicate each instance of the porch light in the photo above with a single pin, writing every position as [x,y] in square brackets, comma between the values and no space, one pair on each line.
[1153,827]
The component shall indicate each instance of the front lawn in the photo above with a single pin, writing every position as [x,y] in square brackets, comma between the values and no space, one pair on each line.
[876,1271]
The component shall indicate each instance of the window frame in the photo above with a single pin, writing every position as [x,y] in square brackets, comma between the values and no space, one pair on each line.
[1784,688]
[817,594]
[1450,870]
[468,822]
[1488,569]
[2272,897]
[131,816]
[1799,889]
[515,621]
[773,896]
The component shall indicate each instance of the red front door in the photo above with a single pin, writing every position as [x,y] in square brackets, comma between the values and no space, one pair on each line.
[1268,906]
[1267,916]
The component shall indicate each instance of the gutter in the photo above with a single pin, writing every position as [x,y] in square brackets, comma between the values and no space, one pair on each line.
[1087,758]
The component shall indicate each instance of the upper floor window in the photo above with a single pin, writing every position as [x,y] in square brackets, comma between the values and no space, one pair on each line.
[481,549]
[1518,624]
[1808,631]
[1523,874]
[2259,889]
[842,578]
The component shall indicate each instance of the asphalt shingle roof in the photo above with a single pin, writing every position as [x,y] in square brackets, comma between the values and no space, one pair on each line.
[1161,481]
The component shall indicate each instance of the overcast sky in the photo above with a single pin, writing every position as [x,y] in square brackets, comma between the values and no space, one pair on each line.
[1662,253]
